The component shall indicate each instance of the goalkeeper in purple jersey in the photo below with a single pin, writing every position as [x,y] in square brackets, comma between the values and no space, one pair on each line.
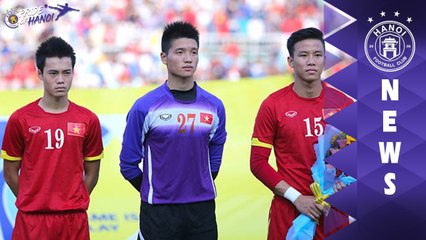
[178,133]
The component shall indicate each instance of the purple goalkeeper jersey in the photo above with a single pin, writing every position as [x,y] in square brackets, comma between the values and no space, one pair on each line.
[180,143]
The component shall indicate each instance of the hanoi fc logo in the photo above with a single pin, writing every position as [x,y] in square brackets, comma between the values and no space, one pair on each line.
[36,15]
[11,19]
[389,45]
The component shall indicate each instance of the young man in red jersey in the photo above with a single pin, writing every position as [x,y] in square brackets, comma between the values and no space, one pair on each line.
[290,121]
[52,149]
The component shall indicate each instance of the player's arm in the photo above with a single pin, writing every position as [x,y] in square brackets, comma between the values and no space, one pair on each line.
[265,129]
[261,146]
[91,174]
[267,175]
[215,153]
[260,167]
[132,149]
[93,153]
[217,142]
[12,151]
[11,174]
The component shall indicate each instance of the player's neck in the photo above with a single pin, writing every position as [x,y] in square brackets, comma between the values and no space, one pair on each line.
[180,84]
[308,89]
[54,105]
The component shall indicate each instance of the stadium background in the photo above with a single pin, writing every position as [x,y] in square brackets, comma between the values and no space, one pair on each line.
[242,60]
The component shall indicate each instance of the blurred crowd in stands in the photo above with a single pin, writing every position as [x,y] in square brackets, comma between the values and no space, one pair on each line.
[117,42]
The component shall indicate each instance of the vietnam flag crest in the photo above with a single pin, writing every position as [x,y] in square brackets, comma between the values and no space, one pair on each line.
[206,118]
[76,129]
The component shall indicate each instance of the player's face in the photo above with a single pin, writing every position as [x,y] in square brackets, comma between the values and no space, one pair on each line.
[182,58]
[308,60]
[57,76]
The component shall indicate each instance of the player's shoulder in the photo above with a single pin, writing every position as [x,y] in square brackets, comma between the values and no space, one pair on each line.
[81,110]
[154,93]
[209,96]
[329,88]
[280,94]
[334,93]
[30,107]
[150,98]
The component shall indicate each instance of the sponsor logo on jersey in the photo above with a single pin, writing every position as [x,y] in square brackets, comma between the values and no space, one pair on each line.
[389,45]
[76,129]
[291,114]
[34,129]
[206,118]
[166,116]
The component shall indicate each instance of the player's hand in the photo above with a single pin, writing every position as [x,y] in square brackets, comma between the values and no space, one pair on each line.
[308,206]
[338,185]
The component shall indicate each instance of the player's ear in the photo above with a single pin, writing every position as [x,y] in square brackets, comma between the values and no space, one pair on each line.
[163,57]
[39,74]
[290,61]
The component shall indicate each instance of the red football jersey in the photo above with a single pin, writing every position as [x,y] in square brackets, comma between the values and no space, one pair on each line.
[52,148]
[291,125]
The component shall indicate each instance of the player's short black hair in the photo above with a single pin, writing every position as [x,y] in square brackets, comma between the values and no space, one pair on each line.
[302,34]
[175,30]
[53,47]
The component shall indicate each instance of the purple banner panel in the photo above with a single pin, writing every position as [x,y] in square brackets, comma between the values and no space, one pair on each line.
[390,43]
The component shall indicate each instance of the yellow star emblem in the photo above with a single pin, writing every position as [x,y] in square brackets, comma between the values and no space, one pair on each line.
[76,130]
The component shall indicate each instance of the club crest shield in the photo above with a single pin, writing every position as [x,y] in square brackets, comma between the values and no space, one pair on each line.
[389,46]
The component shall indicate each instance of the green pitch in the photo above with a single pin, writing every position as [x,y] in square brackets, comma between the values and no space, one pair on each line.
[243,202]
